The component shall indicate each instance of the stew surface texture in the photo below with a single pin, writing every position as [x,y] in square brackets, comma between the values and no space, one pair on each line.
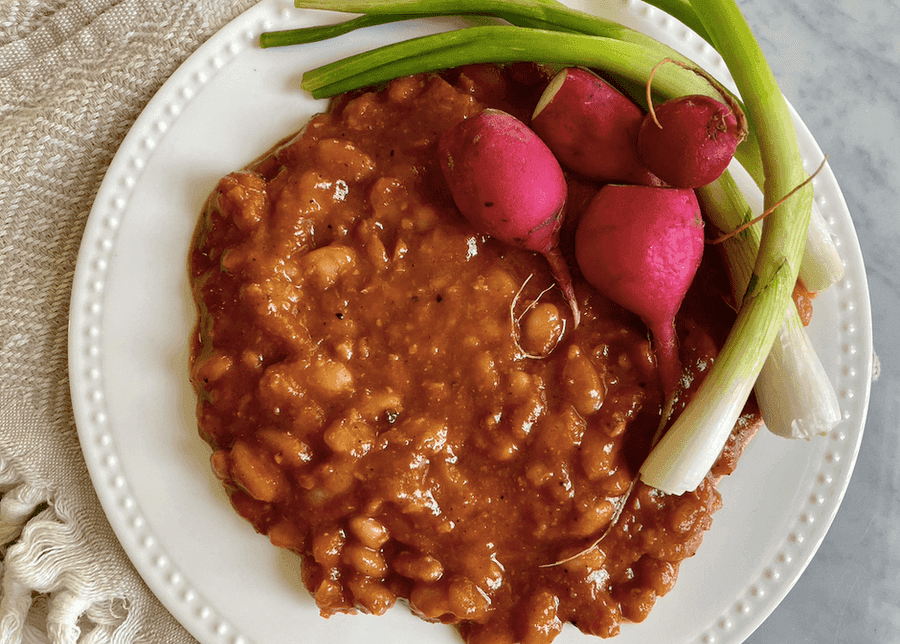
[403,402]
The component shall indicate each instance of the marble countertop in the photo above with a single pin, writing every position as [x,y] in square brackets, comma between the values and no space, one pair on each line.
[838,62]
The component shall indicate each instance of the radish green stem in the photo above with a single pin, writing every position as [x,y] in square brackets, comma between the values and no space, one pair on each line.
[688,450]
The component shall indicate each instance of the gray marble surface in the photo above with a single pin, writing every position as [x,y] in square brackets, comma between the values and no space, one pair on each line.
[838,62]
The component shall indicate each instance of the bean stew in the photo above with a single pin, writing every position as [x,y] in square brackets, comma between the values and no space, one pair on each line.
[405,404]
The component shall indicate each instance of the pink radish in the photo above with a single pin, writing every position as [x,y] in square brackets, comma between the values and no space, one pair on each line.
[508,185]
[592,128]
[641,247]
[691,140]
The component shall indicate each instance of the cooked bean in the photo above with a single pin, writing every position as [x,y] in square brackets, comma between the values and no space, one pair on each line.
[279,388]
[370,241]
[331,379]
[367,561]
[305,194]
[524,416]
[340,158]
[598,455]
[389,199]
[421,434]
[466,599]
[327,547]
[424,217]
[503,448]
[580,569]
[330,598]
[644,358]
[324,266]
[500,283]
[371,594]
[362,111]
[431,601]
[379,405]
[538,474]
[486,377]
[220,464]
[211,368]
[582,382]
[593,520]
[559,435]
[418,567]
[542,329]
[521,385]
[636,604]
[684,515]
[370,532]
[616,484]
[403,90]
[540,623]
[255,472]
[243,198]
[351,436]
[657,574]
[333,477]
[481,568]
[307,417]
[286,534]
[285,448]
[252,360]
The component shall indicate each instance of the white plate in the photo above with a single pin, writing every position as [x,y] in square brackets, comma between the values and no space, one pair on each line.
[131,316]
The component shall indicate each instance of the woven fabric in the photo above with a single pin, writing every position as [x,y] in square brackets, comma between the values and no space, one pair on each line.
[73,77]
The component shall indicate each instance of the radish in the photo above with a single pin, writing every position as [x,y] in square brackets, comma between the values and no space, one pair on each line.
[507,184]
[641,246]
[689,141]
[592,128]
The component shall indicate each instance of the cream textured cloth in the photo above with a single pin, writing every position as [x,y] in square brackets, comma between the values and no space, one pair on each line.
[73,77]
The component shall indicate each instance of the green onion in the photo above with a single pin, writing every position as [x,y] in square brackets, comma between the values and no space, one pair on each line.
[315,34]
[683,11]
[793,391]
[687,451]
[552,14]
[822,265]
[501,43]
